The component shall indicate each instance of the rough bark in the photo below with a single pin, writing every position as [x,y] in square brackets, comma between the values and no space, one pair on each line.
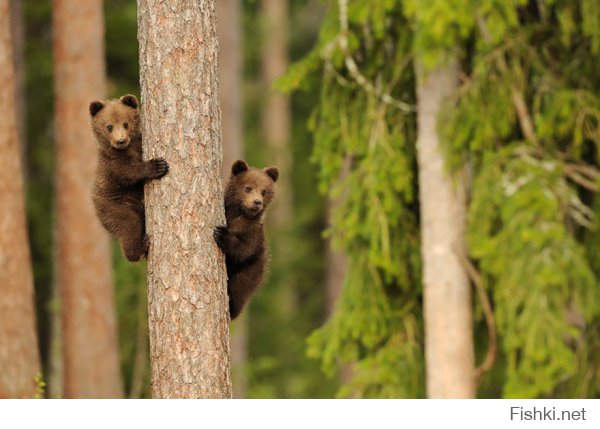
[19,358]
[187,295]
[230,80]
[83,264]
[230,85]
[447,297]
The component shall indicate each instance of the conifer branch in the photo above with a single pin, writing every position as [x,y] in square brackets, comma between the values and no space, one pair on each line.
[475,277]
[354,70]
[576,173]
[525,122]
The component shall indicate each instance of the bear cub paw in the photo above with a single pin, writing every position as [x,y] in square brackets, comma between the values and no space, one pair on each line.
[219,234]
[160,167]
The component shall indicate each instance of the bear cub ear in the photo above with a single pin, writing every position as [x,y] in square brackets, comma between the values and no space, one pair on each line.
[95,107]
[273,173]
[129,100]
[238,167]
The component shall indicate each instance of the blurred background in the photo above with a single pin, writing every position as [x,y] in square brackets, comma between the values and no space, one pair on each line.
[329,91]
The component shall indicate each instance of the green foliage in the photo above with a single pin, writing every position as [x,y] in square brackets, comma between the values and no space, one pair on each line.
[439,26]
[518,230]
[40,390]
[530,214]
[364,158]
[525,121]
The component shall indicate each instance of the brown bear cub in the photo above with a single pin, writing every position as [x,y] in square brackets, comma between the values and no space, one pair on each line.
[118,192]
[248,193]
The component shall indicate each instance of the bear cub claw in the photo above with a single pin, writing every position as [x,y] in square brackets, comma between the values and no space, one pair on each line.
[145,244]
[160,167]
[219,234]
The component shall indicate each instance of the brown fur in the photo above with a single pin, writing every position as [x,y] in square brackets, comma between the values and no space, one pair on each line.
[248,193]
[118,192]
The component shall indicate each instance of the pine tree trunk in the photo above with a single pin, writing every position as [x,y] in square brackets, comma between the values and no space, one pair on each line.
[447,297]
[276,118]
[276,130]
[19,358]
[83,265]
[17,27]
[187,293]
[230,84]
[230,79]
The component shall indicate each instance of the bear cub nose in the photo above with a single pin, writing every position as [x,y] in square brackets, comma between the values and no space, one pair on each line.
[257,202]
[121,141]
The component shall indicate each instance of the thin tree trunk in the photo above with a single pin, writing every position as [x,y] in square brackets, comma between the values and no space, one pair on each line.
[447,296]
[337,267]
[276,118]
[276,130]
[17,27]
[83,267]
[337,262]
[140,361]
[187,292]
[230,82]
[19,358]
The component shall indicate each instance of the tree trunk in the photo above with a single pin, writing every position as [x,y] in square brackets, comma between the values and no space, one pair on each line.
[276,118]
[17,27]
[19,358]
[187,292]
[276,130]
[230,82]
[83,265]
[447,298]
[337,266]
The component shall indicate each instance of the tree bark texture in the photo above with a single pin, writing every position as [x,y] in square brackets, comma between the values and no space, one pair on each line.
[230,90]
[447,297]
[230,80]
[19,357]
[187,293]
[83,264]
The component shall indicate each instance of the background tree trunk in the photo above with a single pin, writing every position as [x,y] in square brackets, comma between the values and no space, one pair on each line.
[337,266]
[17,27]
[19,358]
[447,296]
[187,294]
[230,85]
[276,130]
[83,265]
[276,118]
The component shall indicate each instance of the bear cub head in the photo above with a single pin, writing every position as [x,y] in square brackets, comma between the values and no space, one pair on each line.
[250,189]
[116,122]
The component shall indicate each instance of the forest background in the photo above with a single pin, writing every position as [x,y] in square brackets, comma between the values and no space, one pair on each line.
[333,92]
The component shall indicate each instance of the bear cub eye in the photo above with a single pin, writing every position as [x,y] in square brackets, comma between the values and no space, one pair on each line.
[109,128]
[248,189]
[126,125]
[263,193]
